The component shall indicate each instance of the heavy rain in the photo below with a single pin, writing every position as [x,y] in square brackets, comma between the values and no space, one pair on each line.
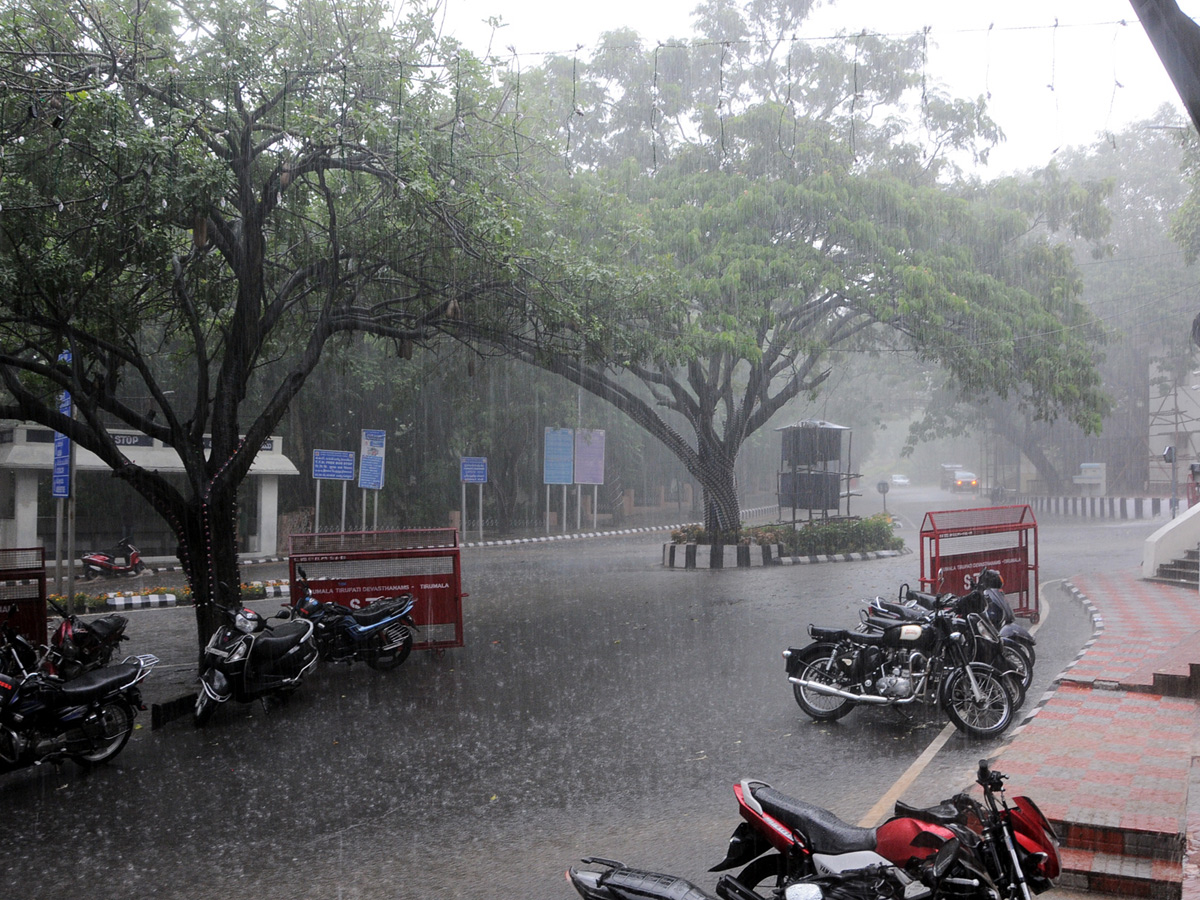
[299,270]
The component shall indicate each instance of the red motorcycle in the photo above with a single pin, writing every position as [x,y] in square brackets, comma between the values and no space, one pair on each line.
[1004,852]
[108,563]
[78,646]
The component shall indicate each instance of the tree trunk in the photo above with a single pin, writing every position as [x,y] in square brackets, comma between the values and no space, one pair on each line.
[208,553]
[722,513]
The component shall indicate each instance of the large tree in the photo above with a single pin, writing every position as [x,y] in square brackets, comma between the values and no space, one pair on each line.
[803,205]
[195,197]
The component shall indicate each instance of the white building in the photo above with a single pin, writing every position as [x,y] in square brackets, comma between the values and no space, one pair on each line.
[27,461]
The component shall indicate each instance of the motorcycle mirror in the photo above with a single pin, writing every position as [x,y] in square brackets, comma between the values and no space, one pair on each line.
[303,574]
[946,855]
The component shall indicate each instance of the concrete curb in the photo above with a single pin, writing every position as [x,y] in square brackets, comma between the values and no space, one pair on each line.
[742,556]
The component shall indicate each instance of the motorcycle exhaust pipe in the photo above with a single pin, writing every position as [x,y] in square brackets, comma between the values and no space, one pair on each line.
[846,695]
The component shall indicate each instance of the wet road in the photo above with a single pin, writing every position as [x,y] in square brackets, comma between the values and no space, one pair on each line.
[602,705]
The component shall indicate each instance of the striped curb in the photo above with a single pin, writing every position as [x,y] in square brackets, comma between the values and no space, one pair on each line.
[130,601]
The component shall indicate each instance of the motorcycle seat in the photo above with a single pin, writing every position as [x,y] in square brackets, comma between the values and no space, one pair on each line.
[271,645]
[833,635]
[95,683]
[106,626]
[900,610]
[826,833]
[375,612]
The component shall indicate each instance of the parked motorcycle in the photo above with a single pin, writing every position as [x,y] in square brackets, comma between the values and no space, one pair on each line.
[619,882]
[107,563]
[380,633]
[1000,852]
[984,643]
[985,594]
[88,719]
[77,645]
[248,659]
[897,664]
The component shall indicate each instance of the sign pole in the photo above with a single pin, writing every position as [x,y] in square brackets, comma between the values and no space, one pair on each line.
[462,507]
[547,509]
[481,511]
[317,511]
[343,527]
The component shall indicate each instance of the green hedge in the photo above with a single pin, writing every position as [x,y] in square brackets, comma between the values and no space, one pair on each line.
[811,539]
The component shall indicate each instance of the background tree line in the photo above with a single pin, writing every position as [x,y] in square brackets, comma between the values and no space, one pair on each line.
[294,217]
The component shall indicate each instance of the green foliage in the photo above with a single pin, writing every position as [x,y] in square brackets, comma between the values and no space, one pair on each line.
[817,538]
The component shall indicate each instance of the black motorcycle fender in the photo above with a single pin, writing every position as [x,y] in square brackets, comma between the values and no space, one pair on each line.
[1019,633]
[746,844]
[217,683]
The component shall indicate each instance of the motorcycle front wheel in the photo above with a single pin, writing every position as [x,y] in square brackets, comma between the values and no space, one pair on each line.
[1018,661]
[204,708]
[816,663]
[386,660]
[116,724]
[988,716]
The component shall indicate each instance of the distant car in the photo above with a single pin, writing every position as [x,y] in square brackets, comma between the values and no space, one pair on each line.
[965,481]
[900,480]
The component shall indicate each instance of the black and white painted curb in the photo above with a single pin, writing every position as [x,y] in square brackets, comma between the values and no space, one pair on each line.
[139,601]
[741,556]
[1065,675]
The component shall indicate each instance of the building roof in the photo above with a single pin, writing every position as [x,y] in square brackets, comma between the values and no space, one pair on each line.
[24,446]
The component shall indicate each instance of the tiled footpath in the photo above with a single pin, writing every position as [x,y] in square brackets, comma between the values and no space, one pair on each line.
[1110,754]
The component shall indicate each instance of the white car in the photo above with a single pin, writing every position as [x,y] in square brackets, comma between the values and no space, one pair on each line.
[900,480]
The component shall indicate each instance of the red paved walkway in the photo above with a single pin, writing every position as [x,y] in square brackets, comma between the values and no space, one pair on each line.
[1108,756]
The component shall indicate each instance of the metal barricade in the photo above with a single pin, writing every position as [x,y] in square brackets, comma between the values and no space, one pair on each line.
[352,568]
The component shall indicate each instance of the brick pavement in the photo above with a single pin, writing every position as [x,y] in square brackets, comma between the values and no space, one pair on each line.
[1109,754]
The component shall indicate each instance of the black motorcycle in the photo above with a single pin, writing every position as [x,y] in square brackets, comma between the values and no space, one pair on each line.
[897,664]
[78,645]
[248,659]
[88,719]
[380,633]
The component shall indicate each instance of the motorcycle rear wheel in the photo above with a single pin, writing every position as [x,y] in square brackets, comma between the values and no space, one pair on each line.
[764,869]
[116,717]
[987,717]
[816,661]
[386,660]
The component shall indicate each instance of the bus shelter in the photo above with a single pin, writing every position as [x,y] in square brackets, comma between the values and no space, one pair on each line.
[354,568]
[958,543]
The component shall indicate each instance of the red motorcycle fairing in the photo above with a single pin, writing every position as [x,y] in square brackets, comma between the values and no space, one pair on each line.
[1035,835]
[902,841]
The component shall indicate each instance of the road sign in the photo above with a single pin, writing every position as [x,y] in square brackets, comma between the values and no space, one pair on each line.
[558,464]
[333,465]
[589,456]
[473,469]
[370,467]
[60,480]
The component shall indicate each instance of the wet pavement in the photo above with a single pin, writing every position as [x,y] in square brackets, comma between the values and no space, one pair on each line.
[602,705]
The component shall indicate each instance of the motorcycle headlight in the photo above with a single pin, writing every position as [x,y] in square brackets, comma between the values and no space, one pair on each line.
[247,621]
[236,653]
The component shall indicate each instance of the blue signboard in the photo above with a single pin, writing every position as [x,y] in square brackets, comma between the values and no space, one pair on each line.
[60,480]
[558,464]
[370,467]
[472,469]
[333,465]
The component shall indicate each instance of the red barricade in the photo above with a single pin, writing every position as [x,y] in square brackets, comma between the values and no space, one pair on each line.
[352,568]
[957,543]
